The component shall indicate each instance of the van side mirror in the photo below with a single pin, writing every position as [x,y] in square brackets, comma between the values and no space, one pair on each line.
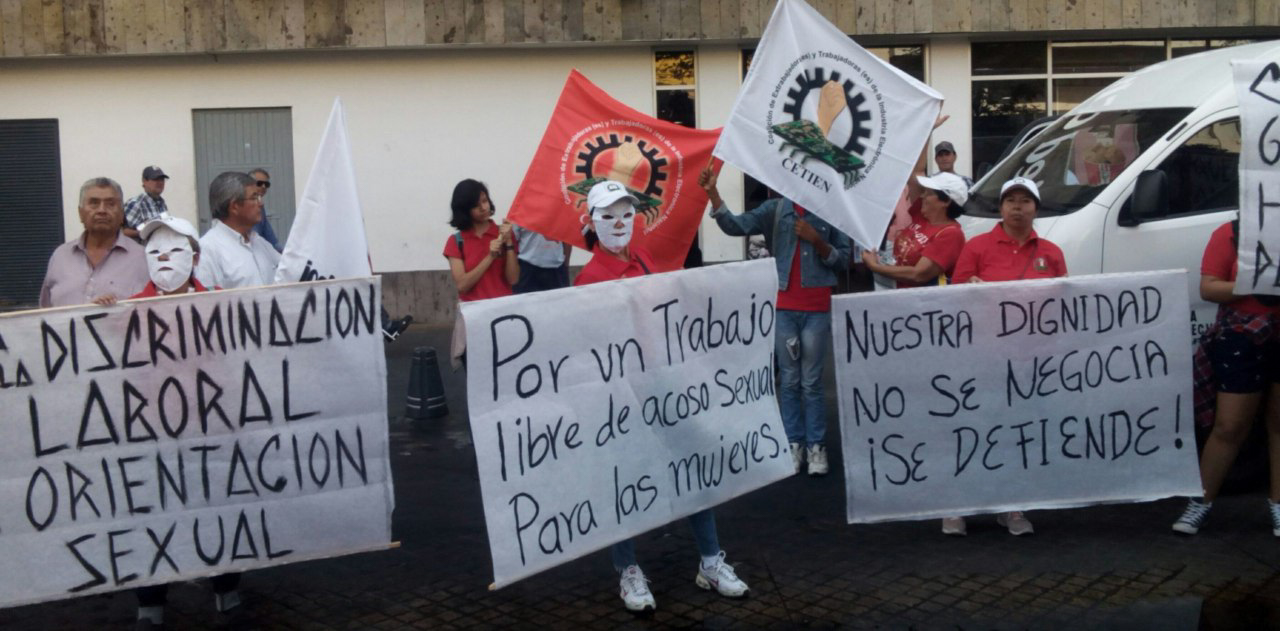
[1150,198]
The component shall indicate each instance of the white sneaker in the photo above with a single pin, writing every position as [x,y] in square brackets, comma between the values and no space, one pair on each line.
[1016,522]
[722,578]
[1193,517]
[817,456]
[635,590]
[954,526]
[1274,508]
[797,456]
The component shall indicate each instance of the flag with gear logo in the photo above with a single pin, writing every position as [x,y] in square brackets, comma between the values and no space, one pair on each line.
[827,124]
[593,137]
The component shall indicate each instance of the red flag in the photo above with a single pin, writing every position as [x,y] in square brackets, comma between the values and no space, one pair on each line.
[592,137]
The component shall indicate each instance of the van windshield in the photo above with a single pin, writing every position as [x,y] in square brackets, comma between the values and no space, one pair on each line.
[1075,158]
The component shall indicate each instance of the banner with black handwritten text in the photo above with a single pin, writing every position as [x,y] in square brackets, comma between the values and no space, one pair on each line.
[992,397]
[1258,251]
[165,439]
[603,411]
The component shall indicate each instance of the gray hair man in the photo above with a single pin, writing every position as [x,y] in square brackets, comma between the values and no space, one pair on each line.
[101,264]
[231,253]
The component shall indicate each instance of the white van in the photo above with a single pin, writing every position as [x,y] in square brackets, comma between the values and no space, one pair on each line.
[1139,175]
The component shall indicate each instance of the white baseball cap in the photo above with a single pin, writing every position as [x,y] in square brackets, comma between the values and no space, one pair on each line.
[176,224]
[1023,183]
[949,183]
[608,192]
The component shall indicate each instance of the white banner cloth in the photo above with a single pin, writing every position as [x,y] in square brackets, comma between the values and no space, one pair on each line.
[827,124]
[603,411]
[328,237]
[165,439]
[1258,253]
[993,397]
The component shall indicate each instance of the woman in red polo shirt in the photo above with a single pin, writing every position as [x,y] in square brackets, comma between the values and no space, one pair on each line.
[612,213]
[1240,357]
[1011,251]
[478,244]
[472,252]
[926,250]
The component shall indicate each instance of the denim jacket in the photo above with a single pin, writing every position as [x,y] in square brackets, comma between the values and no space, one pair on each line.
[776,220]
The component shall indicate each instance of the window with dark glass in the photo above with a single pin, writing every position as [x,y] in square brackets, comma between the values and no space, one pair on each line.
[1014,82]
[1184,47]
[1204,173]
[1068,93]
[1008,58]
[1089,57]
[1000,110]
[674,79]
[1075,158]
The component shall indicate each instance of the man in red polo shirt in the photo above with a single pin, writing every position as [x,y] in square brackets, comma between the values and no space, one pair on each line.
[1012,250]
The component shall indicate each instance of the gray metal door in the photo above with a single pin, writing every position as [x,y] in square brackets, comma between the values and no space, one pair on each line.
[30,207]
[241,140]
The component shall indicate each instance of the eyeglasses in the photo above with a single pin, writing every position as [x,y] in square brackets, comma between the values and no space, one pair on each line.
[263,184]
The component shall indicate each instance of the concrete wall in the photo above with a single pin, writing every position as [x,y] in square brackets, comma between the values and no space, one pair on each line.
[419,121]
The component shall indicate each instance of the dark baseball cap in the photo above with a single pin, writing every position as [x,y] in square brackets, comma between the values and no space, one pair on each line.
[944,146]
[153,173]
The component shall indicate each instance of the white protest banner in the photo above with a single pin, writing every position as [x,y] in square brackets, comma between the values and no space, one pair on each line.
[328,238]
[169,438]
[1258,249]
[994,397]
[827,124]
[603,411]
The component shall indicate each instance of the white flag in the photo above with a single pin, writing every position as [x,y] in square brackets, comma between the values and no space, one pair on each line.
[328,239]
[827,124]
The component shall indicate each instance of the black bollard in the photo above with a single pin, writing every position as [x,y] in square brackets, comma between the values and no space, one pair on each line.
[426,390]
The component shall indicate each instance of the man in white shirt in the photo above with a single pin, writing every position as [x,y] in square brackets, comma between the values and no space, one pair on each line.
[232,254]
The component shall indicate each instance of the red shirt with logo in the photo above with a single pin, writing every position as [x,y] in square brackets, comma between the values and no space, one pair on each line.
[474,249]
[605,266]
[995,256]
[795,297]
[1220,262]
[940,243]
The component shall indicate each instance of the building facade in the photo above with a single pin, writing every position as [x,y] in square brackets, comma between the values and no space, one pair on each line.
[441,90]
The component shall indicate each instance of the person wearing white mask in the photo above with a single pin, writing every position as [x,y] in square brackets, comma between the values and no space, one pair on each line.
[172,248]
[612,212]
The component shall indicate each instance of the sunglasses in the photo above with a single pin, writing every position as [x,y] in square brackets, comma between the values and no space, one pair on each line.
[263,184]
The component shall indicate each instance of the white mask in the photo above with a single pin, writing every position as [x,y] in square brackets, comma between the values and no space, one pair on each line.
[171,274]
[606,220]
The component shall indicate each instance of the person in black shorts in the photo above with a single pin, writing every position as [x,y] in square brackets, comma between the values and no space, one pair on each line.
[1239,356]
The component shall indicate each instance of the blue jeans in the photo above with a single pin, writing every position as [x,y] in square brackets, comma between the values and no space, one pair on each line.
[703,524]
[801,399]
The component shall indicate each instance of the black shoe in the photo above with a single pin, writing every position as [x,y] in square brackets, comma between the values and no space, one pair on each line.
[395,327]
